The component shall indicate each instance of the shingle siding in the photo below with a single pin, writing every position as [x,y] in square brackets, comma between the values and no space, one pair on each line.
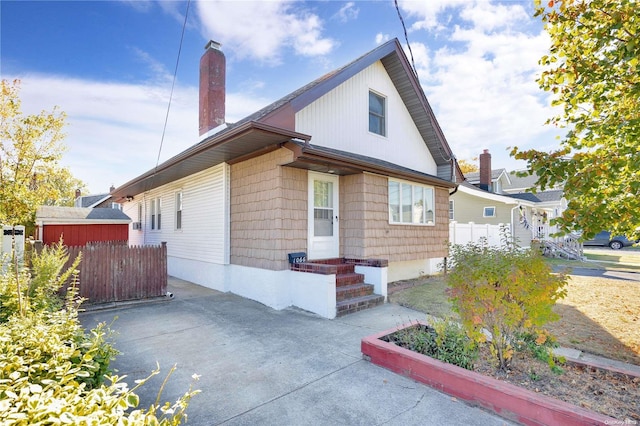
[365,229]
[268,211]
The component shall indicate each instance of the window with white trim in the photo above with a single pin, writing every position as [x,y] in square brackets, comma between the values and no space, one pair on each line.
[489,212]
[451,210]
[179,210]
[377,114]
[156,214]
[411,203]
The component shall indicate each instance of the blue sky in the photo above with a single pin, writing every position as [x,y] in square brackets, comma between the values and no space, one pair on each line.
[109,65]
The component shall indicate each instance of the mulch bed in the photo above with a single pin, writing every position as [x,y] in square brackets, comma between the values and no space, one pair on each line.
[610,393]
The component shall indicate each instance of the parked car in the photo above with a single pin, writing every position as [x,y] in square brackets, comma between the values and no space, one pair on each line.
[604,239]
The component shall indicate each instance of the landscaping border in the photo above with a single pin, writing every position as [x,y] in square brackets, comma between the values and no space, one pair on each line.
[507,400]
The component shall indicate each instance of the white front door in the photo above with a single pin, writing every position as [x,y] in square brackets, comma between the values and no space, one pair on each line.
[323,240]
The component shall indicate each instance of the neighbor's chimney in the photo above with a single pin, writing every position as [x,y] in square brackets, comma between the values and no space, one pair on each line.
[112,188]
[212,87]
[485,170]
[78,192]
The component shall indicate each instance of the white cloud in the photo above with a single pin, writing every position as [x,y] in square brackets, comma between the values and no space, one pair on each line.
[382,38]
[482,86]
[347,13]
[486,16]
[262,29]
[430,13]
[114,129]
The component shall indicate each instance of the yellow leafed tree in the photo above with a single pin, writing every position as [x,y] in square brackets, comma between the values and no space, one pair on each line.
[31,148]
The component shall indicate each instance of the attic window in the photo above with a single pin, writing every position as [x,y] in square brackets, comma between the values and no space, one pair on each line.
[377,114]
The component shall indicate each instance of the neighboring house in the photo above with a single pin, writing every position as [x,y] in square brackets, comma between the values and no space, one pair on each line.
[470,204]
[80,225]
[493,196]
[521,184]
[96,200]
[488,179]
[352,168]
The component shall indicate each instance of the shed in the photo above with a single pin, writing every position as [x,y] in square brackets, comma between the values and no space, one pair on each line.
[80,225]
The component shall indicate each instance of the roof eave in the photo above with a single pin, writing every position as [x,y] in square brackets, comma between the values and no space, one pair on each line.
[314,156]
[177,167]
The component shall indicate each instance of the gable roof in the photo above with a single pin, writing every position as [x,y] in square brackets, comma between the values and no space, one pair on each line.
[521,183]
[91,200]
[56,215]
[474,177]
[274,124]
[540,197]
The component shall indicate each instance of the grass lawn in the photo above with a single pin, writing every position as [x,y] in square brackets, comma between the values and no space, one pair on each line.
[599,315]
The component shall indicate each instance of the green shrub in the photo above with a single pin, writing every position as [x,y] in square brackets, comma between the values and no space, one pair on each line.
[541,347]
[443,340]
[51,370]
[506,291]
[23,290]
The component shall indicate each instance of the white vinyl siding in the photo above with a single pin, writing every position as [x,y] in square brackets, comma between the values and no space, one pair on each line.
[205,229]
[347,109]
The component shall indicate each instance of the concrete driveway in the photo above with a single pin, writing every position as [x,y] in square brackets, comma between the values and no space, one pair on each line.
[259,366]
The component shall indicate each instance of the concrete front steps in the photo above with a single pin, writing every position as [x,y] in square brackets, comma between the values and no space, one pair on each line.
[352,293]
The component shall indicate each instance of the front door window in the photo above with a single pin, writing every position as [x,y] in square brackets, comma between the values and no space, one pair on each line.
[322,208]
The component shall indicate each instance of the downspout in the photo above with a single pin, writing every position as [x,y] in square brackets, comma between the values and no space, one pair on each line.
[513,226]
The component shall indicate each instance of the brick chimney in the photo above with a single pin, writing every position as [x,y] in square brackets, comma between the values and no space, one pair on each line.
[212,87]
[485,170]
[78,192]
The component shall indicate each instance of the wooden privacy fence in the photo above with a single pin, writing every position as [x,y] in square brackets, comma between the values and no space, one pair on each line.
[116,272]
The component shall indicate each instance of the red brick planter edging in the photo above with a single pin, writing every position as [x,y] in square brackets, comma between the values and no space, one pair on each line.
[505,399]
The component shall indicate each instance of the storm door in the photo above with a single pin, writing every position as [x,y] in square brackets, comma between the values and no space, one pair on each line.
[323,216]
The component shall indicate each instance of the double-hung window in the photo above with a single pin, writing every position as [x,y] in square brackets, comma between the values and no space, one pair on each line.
[179,210]
[156,214]
[377,114]
[451,210]
[411,203]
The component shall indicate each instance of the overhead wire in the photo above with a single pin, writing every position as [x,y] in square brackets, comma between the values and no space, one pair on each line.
[406,37]
[173,83]
[445,156]
[166,118]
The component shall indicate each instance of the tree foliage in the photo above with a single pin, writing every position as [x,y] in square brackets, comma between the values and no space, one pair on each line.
[592,71]
[30,152]
[468,166]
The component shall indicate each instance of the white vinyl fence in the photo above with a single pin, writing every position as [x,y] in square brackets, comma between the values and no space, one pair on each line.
[463,233]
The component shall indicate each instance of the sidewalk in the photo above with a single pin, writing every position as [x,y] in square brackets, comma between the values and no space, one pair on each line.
[259,366]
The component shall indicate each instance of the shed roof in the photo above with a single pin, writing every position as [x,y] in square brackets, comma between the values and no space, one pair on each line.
[56,215]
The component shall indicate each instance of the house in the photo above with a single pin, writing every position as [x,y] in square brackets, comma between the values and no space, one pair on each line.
[473,206]
[493,197]
[340,186]
[80,225]
[488,179]
[96,200]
